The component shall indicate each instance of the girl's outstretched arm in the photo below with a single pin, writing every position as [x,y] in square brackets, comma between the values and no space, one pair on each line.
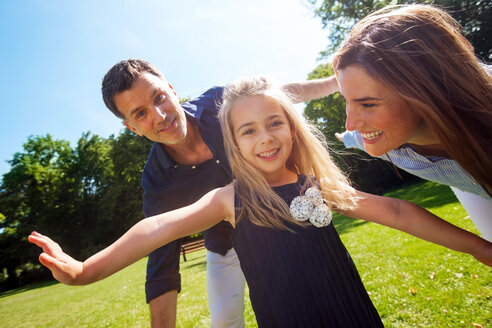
[415,220]
[144,237]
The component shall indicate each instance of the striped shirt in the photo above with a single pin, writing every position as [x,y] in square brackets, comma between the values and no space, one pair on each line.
[434,168]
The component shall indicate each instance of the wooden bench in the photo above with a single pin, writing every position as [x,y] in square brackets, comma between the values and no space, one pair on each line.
[191,247]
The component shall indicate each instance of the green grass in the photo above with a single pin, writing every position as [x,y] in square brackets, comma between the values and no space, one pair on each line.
[412,283]
[450,289]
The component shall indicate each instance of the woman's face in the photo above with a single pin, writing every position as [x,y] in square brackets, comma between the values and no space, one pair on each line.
[384,119]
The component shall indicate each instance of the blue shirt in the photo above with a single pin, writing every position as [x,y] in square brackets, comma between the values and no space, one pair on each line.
[168,185]
[434,168]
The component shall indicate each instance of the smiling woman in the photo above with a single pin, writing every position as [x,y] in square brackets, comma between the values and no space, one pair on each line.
[417,95]
[384,120]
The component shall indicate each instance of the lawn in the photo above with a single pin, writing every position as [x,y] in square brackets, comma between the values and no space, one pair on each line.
[412,283]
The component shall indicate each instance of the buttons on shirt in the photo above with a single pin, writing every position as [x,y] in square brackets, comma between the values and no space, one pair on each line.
[193,167]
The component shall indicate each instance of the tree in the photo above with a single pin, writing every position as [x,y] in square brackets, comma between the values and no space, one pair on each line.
[84,198]
[31,198]
[92,172]
[327,112]
[123,199]
[475,16]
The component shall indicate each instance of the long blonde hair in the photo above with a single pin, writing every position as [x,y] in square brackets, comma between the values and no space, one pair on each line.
[419,52]
[309,156]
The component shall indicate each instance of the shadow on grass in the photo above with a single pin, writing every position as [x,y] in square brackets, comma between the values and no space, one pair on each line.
[28,288]
[194,262]
[344,224]
[426,194]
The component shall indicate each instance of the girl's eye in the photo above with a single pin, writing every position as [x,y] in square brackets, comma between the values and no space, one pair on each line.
[368,105]
[276,123]
[247,131]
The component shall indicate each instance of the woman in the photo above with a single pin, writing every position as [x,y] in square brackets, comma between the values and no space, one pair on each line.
[417,96]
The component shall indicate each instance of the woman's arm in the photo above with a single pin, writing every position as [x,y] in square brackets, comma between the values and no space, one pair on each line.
[144,237]
[415,220]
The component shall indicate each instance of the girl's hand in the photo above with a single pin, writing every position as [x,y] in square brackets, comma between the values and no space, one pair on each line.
[484,254]
[64,268]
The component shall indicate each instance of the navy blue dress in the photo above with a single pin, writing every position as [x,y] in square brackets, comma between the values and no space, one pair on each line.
[304,278]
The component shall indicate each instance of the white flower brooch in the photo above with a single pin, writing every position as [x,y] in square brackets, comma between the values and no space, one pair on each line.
[311,207]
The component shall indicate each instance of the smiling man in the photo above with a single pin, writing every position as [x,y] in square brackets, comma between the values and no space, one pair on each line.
[187,160]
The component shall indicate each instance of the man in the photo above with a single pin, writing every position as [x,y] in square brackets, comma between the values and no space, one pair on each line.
[186,161]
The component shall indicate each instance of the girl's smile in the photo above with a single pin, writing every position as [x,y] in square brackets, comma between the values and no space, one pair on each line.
[263,135]
[269,155]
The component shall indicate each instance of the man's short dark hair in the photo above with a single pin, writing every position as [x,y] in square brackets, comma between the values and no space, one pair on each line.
[121,77]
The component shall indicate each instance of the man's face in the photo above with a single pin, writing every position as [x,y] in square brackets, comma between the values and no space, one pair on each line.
[151,109]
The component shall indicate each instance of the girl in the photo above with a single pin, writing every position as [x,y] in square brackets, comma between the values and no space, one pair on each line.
[418,97]
[298,271]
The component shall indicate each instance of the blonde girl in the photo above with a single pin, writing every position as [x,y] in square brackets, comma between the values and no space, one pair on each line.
[298,271]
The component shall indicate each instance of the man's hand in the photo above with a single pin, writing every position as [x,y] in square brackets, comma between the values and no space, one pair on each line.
[312,89]
[64,268]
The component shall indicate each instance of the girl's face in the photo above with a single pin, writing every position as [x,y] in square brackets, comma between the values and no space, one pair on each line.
[264,136]
[384,119]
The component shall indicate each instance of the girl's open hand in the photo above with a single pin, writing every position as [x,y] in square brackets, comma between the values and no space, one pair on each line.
[484,254]
[64,268]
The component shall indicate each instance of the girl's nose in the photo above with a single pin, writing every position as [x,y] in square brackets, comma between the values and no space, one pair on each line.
[354,120]
[266,138]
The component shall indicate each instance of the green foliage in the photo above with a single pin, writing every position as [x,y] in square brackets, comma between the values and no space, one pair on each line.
[32,195]
[329,112]
[84,198]
[411,282]
[123,201]
[339,16]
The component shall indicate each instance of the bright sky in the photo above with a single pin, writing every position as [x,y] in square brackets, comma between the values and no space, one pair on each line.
[55,53]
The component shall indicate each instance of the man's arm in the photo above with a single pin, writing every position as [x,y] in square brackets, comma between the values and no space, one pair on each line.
[312,89]
[162,285]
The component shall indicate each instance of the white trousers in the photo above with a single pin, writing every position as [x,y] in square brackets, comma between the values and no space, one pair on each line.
[225,287]
[479,209]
